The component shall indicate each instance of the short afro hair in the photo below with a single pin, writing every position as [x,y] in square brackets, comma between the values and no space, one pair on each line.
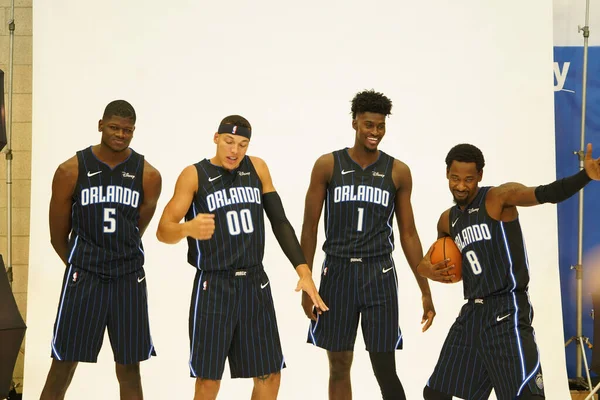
[466,153]
[371,101]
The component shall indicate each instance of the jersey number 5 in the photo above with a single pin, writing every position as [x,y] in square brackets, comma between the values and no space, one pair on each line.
[110,223]
[474,262]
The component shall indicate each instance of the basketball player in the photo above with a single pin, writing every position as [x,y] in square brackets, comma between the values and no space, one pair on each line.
[363,187]
[231,312]
[491,344]
[102,201]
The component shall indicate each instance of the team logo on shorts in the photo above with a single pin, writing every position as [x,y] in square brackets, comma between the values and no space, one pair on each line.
[75,276]
[204,285]
[539,381]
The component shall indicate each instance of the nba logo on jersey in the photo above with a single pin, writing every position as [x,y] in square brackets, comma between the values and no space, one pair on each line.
[325,271]
[204,285]
[539,380]
[234,129]
[75,277]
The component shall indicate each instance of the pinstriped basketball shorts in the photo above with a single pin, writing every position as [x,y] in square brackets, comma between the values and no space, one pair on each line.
[232,316]
[89,304]
[354,289]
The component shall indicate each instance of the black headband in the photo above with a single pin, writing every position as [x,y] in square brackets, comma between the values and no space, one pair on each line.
[235,130]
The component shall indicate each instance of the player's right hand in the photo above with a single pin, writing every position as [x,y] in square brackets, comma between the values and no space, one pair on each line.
[308,306]
[202,227]
[439,272]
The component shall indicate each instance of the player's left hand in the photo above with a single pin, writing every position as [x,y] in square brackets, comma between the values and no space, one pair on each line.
[592,167]
[428,311]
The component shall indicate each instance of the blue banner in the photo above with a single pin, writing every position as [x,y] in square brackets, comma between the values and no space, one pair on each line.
[568,73]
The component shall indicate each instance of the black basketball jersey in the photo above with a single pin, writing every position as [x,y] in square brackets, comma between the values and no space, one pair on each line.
[235,198]
[105,237]
[359,208]
[494,258]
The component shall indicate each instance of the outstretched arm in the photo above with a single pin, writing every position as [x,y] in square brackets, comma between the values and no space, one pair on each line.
[409,237]
[170,229]
[63,185]
[517,195]
[285,235]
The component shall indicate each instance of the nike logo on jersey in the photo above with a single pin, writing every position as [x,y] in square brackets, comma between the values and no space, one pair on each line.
[265,285]
[347,172]
[455,221]
[501,318]
[141,279]
[214,179]
[386,270]
[472,210]
[377,174]
[90,174]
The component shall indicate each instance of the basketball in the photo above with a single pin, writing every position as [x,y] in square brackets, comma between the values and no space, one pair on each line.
[445,248]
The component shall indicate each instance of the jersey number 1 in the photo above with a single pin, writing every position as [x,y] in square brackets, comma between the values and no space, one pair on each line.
[359,225]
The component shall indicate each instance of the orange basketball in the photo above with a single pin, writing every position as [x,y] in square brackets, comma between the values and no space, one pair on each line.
[445,248]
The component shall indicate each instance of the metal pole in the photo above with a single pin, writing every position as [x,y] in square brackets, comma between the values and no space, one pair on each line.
[9,155]
[579,267]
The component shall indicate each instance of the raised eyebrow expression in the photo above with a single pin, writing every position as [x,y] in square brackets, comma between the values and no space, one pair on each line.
[468,179]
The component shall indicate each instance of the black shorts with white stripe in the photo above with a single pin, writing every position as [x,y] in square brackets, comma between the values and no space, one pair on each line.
[353,288]
[232,316]
[490,345]
[89,304]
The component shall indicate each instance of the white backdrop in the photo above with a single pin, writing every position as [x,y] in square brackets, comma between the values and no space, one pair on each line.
[456,71]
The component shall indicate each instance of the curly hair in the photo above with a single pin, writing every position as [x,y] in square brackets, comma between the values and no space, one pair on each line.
[371,101]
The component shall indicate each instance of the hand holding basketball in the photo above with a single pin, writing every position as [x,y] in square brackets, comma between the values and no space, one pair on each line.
[444,251]
[442,263]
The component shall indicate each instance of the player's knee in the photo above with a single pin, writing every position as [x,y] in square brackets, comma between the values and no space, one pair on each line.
[63,370]
[431,394]
[208,386]
[268,380]
[128,373]
[339,364]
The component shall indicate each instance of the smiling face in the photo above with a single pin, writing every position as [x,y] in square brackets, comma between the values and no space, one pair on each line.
[231,150]
[463,181]
[370,129]
[117,132]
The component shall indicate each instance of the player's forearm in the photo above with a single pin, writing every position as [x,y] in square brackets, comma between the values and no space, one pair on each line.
[171,232]
[308,243]
[413,251]
[61,247]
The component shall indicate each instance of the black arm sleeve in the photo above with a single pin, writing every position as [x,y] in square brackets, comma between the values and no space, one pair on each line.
[283,229]
[562,189]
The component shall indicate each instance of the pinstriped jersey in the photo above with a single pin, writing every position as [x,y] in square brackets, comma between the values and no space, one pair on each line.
[359,208]
[494,257]
[235,198]
[105,237]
